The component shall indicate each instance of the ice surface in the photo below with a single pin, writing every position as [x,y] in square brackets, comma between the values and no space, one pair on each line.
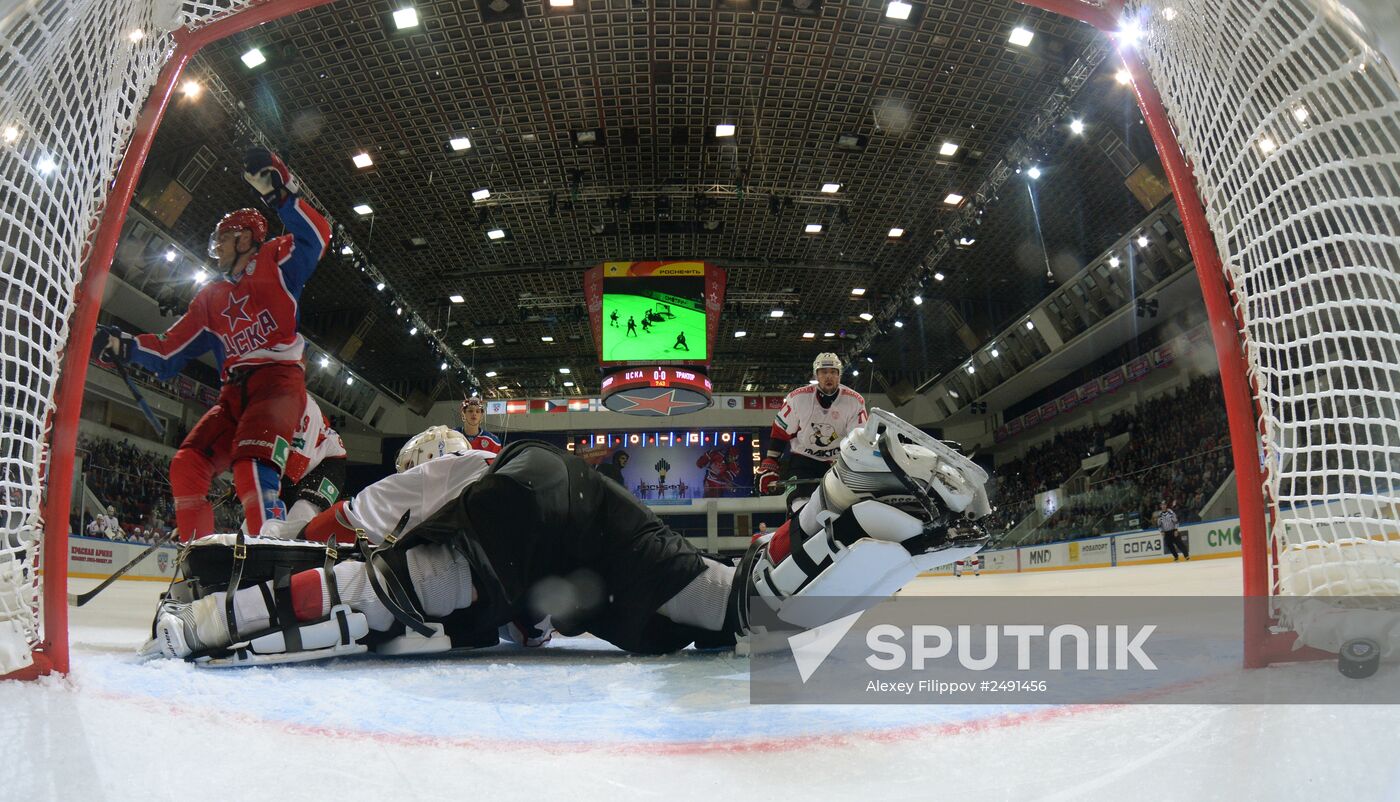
[578,720]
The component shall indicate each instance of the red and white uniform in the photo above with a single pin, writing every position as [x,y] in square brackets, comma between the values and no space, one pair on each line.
[484,441]
[314,440]
[721,469]
[814,431]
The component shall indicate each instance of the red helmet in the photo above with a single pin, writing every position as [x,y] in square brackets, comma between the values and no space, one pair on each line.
[250,220]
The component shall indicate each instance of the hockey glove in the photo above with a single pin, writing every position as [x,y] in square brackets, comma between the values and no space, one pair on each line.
[111,345]
[269,176]
[767,477]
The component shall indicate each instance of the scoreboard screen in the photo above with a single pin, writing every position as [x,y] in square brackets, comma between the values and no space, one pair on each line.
[654,313]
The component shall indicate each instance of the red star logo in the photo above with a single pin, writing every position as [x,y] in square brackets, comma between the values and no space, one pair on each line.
[235,312]
[662,404]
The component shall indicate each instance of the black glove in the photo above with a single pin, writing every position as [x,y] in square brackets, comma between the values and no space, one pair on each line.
[268,174]
[102,349]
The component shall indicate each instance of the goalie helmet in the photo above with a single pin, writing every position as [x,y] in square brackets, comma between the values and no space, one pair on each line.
[429,444]
[827,360]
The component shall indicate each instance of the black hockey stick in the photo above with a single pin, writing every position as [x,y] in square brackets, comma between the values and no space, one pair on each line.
[146,410]
[79,599]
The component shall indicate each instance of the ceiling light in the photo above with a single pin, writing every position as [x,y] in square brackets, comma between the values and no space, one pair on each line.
[413,332]
[896,232]
[201,276]
[809,335]
[565,371]
[487,341]
[1300,113]
[490,374]
[1030,326]
[776,313]
[741,333]
[899,324]
[406,18]
[346,250]
[1267,145]
[995,353]
[948,149]
[724,129]
[459,143]
[828,334]
[253,58]
[866,316]
[813,228]
[325,361]
[1020,37]
[1129,34]
[481,194]
[1168,13]
[918,300]
[1034,173]
[191,89]
[502,387]
[11,134]
[1142,240]
[938,276]
[857,290]
[349,380]
[136,35]
[495,233]
[46,165]
[456,299]
[546,338]
[830,187]
[954,393]
[971,368]
[398,310]
[589,137]
[870,359]
[379,286]
[1123,76]
[897,9]
[170,255]
[1113,261]
[561,3]
[362,160]
[1076,126]
[953,199]
[443,366]
[363,210]
[966,242]
[470,341]
[552,2]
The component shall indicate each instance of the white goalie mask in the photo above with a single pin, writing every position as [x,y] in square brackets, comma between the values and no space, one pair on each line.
[429,444]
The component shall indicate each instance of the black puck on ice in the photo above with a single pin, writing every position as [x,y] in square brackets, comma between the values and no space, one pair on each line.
[1359,658]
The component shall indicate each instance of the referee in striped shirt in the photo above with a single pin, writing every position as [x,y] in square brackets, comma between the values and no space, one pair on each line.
[1172,540]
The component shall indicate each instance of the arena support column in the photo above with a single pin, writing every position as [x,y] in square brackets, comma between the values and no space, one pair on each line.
[1225,329]
[53,653]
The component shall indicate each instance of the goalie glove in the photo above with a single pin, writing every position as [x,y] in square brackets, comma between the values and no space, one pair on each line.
[768,477]
[112,345]
[269,176]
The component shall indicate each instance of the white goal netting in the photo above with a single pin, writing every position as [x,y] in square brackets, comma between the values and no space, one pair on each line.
[1291,119]
[74,75]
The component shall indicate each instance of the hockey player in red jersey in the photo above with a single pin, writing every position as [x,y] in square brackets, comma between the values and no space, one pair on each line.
[812,422]
[473,413]
[721,469]
[248,318]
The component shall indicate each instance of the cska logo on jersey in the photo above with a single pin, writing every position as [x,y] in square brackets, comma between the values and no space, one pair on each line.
[235,313]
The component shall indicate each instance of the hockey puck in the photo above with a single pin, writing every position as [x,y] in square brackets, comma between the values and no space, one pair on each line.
[1359,658]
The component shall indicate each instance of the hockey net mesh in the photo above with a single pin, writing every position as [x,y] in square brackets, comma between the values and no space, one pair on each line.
[74,75]
[1292,124]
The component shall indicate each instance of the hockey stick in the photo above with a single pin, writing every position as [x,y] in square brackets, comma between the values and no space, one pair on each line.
[79,599]
[146,410]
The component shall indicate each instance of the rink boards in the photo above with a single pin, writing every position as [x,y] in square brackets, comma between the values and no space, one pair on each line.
[98,557]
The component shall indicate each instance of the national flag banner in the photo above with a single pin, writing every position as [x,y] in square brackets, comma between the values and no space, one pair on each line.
[753,402]
[773,402]
[1138,368]
[579,404]
[1112,380]
[1031,418]
[1088,391]
[496,407]
[1165,354]
[518,407]
[1068,401]
[538,405]
[1014,426]
[1048,411]
[556,405]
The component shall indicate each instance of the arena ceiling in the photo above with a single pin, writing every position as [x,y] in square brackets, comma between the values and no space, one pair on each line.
[594,129]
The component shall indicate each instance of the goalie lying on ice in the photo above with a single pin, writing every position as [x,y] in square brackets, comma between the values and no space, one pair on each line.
[539,536]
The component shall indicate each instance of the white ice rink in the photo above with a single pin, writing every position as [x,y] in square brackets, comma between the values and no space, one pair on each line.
[577,720]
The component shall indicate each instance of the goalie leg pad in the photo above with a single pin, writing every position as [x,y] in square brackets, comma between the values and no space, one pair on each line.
[332,636]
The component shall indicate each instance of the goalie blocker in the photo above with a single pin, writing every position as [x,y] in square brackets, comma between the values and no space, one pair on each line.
[897,502]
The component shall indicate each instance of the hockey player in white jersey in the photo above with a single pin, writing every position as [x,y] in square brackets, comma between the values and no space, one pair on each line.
[811,424]
[538,532]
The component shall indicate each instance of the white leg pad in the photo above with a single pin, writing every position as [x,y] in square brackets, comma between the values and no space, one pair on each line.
[319,640]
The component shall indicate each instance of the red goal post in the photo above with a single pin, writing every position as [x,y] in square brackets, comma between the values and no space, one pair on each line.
[83,87]
[1278,125]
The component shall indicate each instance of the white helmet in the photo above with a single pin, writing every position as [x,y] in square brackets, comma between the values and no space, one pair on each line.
[827,360]
[428,444]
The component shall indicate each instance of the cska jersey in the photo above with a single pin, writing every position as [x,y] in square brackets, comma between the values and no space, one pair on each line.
[252,319]
[483,441]
[314,440]
[816,432]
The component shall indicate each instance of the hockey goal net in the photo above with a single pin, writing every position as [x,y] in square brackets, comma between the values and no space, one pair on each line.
[1278,121]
